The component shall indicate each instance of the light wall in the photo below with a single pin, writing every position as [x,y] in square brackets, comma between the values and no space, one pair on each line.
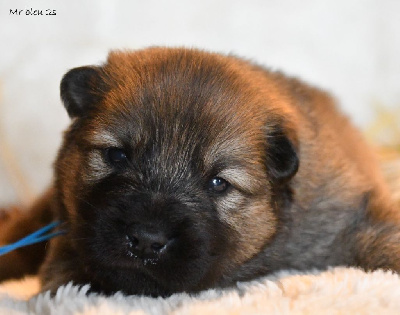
[349,47]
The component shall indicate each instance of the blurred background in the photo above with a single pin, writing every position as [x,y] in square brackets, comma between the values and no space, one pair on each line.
[348,47]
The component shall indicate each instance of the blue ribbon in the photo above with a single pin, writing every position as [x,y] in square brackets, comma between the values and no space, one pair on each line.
[36,237]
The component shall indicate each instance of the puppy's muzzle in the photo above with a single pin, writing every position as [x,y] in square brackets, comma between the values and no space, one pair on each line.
[146,241]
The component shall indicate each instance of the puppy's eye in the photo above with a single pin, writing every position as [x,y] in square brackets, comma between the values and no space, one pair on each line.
[218,185]
[116,156]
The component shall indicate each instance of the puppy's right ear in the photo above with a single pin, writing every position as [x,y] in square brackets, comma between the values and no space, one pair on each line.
[81,88]
[282,160]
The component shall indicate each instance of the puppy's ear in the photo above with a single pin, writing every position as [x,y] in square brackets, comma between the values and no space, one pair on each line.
[282,158]
[81,88]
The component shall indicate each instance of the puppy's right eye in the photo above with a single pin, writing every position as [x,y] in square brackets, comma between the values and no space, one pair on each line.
[116,156]
[218,185]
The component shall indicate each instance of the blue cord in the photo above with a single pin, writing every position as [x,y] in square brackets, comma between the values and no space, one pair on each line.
[35,237]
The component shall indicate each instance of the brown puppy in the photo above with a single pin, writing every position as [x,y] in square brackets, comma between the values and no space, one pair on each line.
[184,170]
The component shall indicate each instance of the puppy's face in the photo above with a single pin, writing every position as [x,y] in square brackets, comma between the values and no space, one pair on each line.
[167,172]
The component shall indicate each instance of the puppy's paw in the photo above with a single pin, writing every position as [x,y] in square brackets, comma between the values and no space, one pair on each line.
[7,213]
[3,215]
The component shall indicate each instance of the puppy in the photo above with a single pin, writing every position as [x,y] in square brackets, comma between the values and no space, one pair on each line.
[184,170]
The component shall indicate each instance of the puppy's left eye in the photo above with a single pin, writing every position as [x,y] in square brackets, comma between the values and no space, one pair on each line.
[218,185]
[116,156]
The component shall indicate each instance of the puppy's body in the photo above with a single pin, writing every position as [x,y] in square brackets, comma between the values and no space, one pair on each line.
[184,170]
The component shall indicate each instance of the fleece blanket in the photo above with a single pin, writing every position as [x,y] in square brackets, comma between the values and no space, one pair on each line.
[335,291]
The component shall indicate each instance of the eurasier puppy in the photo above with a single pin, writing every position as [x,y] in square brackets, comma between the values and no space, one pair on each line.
[184,170]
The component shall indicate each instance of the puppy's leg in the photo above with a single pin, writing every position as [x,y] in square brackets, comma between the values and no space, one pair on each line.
[377,241]
[378,247]
[17,223]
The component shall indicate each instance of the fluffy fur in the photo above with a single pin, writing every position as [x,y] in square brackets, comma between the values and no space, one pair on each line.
[184,170]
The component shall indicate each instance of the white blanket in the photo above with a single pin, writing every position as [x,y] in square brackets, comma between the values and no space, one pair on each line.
[336,291]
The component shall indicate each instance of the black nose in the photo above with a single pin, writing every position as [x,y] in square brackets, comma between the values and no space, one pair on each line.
[146,241]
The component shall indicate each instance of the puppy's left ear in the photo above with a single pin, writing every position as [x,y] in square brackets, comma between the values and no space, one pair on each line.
[282,157]
[81,89]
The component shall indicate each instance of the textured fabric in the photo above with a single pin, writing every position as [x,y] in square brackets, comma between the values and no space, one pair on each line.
[336,291]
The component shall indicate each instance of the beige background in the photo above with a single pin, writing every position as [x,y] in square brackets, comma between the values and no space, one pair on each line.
[350,47]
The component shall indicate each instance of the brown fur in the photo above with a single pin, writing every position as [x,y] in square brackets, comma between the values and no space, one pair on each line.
[306,190]
[16,223]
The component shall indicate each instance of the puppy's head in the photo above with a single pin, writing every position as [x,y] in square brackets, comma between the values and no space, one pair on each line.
[168,171]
